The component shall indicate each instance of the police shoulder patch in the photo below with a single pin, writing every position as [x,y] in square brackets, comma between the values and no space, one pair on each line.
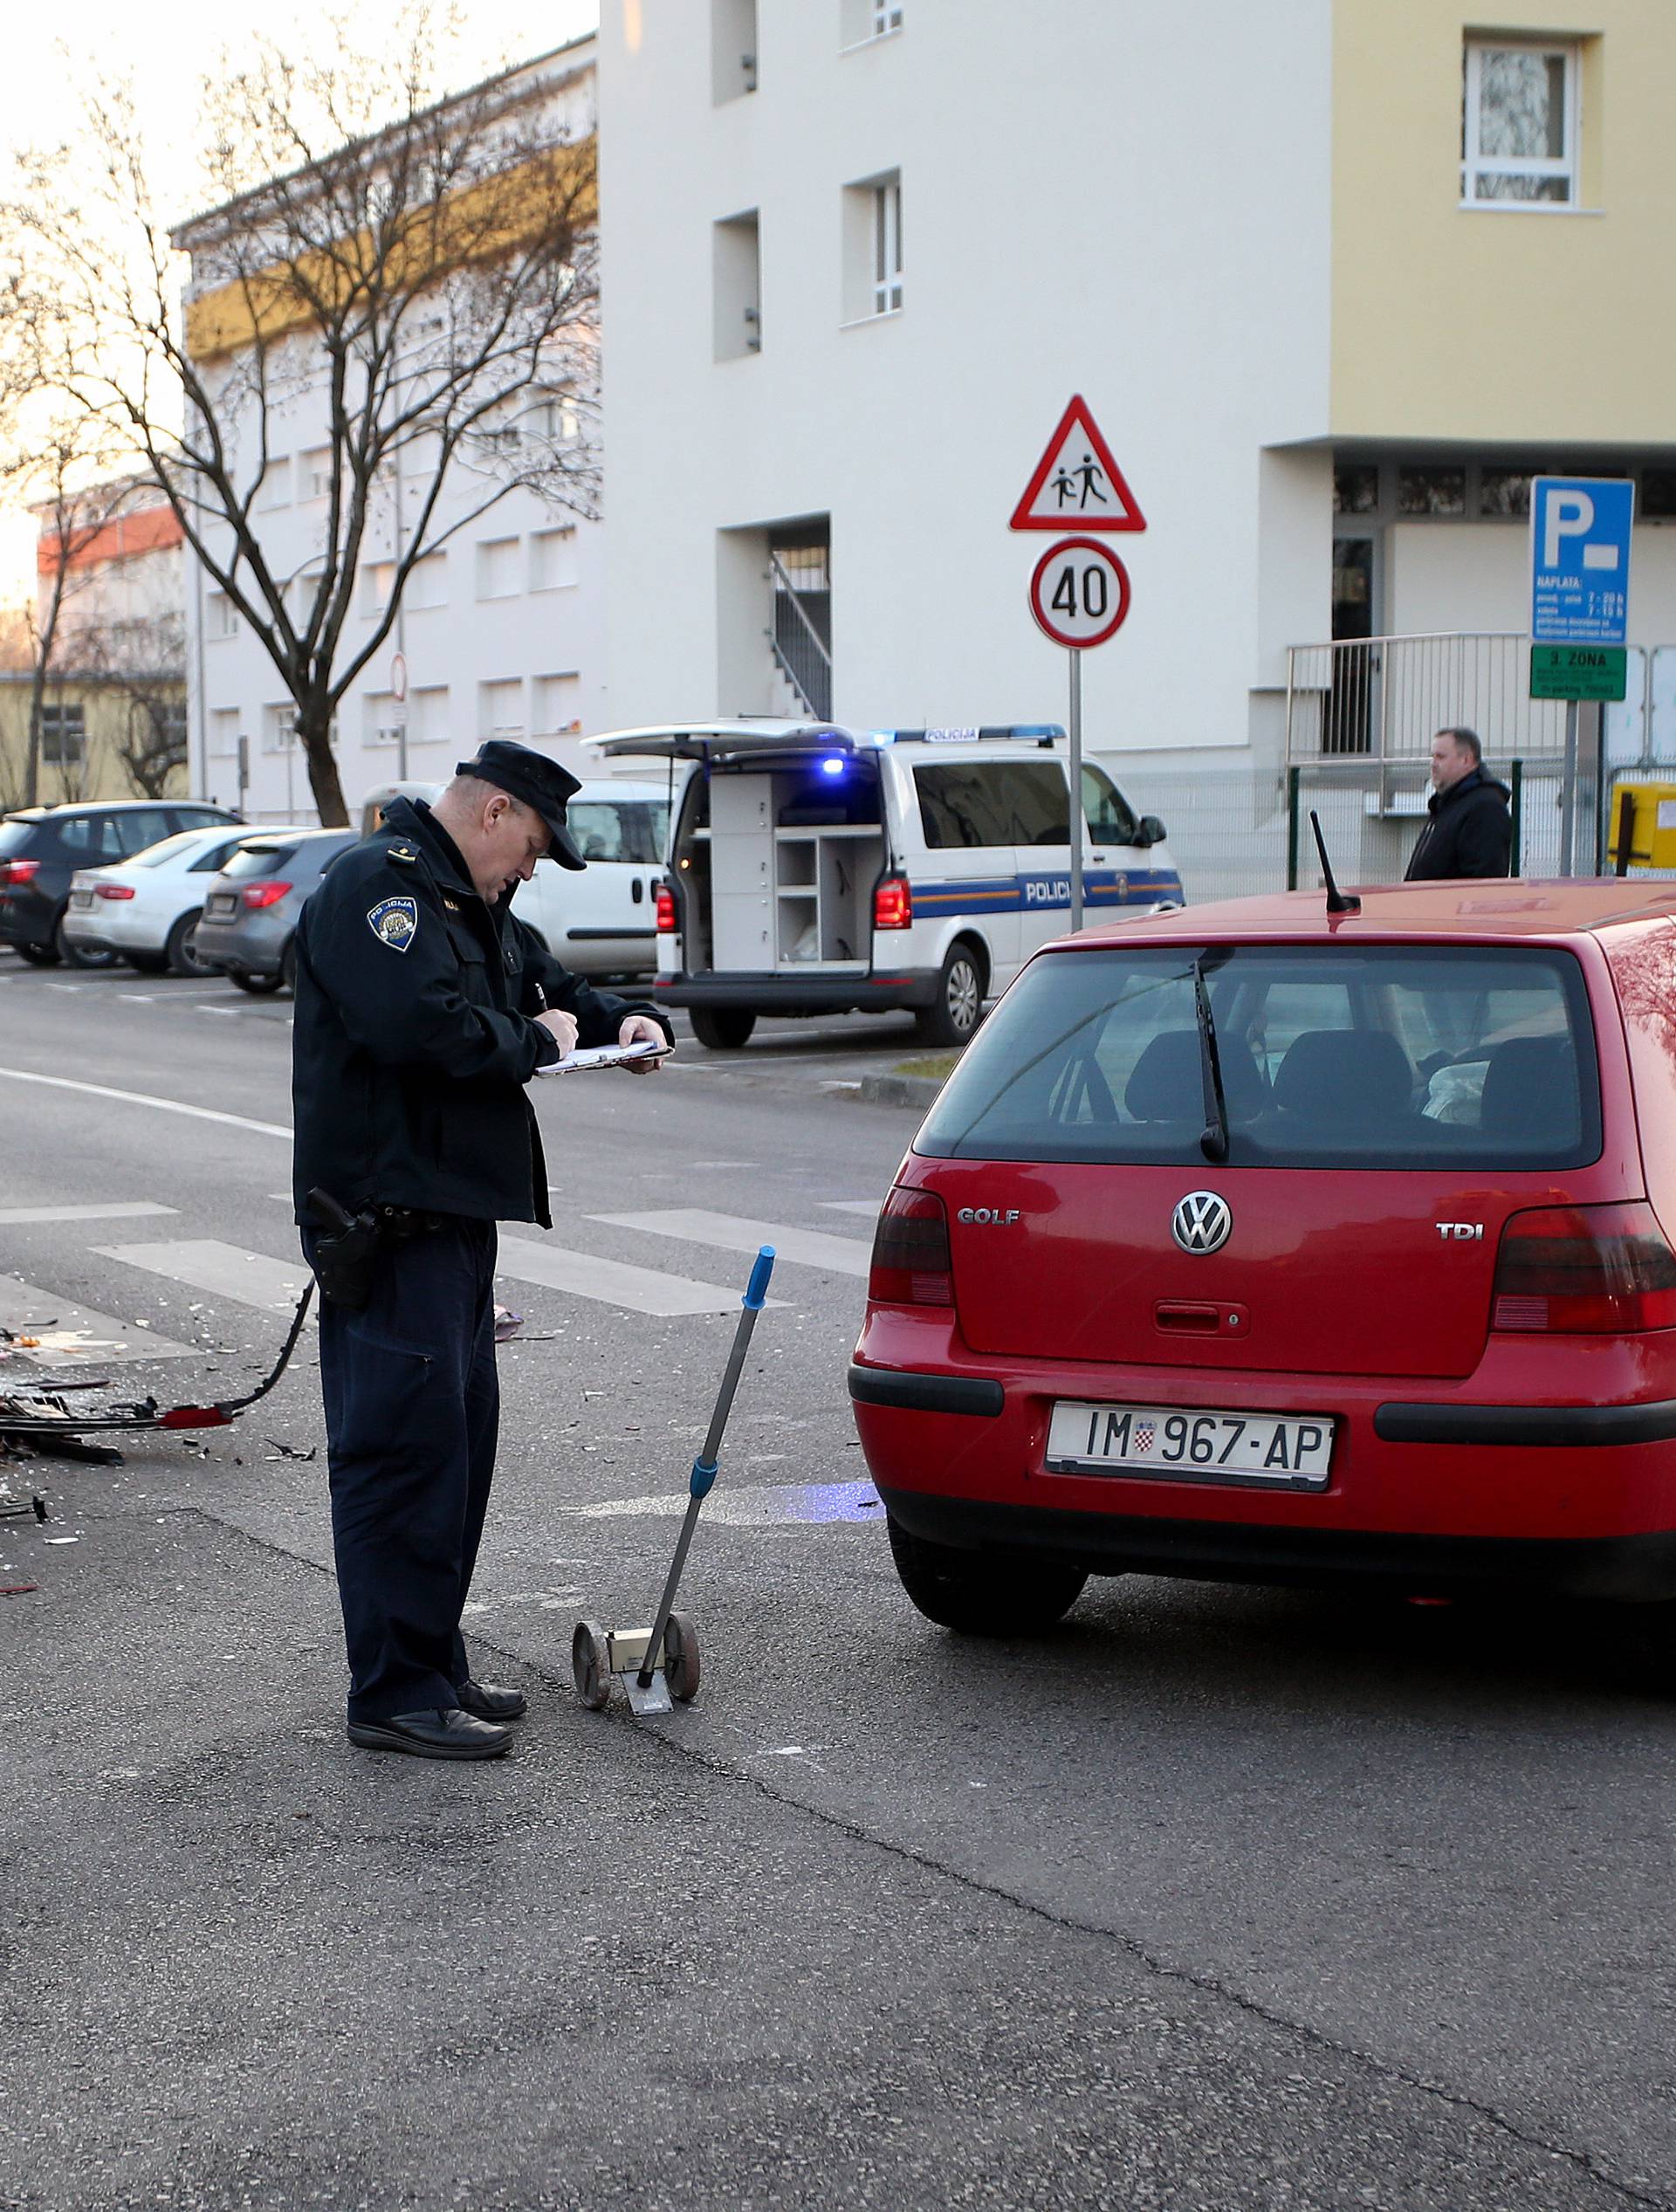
[395,922]
[404,854]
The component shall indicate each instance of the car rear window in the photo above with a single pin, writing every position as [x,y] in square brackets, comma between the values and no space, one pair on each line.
[15,836]
[257,859]
[1384,1056]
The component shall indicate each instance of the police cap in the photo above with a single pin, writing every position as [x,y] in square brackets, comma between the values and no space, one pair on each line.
[538,781]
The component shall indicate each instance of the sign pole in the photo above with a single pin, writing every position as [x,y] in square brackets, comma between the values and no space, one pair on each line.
[1076,787]
[1569,790]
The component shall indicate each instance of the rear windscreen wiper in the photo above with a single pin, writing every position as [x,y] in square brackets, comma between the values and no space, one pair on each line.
[1214,1140]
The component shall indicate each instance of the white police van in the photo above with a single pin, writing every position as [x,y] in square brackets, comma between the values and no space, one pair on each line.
[816,869]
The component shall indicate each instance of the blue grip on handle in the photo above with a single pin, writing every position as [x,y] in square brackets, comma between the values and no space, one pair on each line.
[756,1291]
[704,1476]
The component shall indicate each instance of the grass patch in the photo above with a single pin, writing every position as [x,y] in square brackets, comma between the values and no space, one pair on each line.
[937,1065]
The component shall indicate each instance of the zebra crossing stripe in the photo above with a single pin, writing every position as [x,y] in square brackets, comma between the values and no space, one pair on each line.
[224,1270]
[113,1209]
[611,1282]
[73,1336]
[732,1233]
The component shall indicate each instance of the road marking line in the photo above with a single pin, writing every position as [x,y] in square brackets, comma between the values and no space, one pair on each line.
[115,1210]
[222,1014]
[867,1207]
[611,1282]
[144,1098]
[76,1335]
[758,1505]
[139,998]
[224,1270]
[731,1233]
[64,986]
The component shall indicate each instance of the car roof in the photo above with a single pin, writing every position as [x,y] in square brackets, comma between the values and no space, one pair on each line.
[763,733]
[1527,907]
[113,807]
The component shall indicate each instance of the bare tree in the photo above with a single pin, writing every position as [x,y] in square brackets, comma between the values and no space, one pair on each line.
[413,277]
[140,666]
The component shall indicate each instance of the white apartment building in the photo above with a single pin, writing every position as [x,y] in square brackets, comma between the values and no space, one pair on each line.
[1334,278]
[499,634]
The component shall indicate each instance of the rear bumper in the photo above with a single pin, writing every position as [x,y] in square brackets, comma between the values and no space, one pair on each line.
[774,992]
[1637,1568]
[1485,1481]
[25,917]
[252,947]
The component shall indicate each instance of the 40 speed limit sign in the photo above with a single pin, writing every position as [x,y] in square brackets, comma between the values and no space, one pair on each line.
[1079,593]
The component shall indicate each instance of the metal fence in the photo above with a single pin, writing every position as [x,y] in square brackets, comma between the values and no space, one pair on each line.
[1384,698]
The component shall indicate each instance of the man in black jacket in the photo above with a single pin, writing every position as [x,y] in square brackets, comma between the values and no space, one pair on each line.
[423,1007]
[1470,832]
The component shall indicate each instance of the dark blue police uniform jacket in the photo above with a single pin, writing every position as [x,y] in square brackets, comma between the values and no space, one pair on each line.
[412,1045]
[413,1037]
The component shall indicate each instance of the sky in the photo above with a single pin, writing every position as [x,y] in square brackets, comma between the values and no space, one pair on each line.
[39,96]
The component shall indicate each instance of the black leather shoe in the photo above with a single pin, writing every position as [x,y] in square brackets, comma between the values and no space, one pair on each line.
[490,1702]
[449,1734]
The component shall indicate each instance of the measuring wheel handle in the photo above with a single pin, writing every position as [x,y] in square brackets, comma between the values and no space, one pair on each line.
[588,1665]
[681,1658]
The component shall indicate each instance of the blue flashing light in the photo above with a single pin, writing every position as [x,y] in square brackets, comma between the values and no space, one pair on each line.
[834,768]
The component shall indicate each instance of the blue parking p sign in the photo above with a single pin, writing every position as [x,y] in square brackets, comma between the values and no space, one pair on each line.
[1580,559]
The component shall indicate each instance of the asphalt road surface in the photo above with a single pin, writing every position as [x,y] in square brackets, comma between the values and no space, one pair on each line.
[1216,1899]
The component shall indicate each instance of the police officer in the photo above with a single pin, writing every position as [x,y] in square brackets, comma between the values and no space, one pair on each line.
[423,1007]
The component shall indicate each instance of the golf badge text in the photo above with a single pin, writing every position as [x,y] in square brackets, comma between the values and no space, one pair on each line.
[395,922]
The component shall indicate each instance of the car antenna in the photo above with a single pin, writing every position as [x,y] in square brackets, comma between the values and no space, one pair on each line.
[1338,902]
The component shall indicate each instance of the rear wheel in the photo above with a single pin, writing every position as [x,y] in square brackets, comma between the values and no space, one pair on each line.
[983,1593]
[40,956]
[723,1028]
[257,985]
[76,956]
[181,953]
[147,963]
[953,1014]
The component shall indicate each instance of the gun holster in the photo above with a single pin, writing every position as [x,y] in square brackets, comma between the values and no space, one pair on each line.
[345,1250]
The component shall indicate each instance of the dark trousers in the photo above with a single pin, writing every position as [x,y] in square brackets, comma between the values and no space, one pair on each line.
[412,1413]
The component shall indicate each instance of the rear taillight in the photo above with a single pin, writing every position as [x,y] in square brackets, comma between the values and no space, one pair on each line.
[664,902]
[1601,1270]
[113,890]
[893,905]
[19,871]
[260,894]
[911,1252]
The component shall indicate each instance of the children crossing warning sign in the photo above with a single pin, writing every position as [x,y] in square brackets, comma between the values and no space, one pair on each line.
[1077,485]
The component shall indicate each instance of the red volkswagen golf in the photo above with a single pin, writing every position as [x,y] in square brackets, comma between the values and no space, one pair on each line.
[1258,1243]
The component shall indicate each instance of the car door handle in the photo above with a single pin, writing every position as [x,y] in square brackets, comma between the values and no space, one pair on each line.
[637,890]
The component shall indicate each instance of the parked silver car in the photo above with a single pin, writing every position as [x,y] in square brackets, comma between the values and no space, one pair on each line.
[248,930]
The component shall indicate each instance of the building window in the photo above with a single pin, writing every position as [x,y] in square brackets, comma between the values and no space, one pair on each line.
[498,568]
[314,473]
[1355,488]
[1504,494]
[558,706]
[554,560]
[377,582]
[887,245]
[427,583]
[872,247]
[223,732]
[737,261]
[430,721]
[383,718]
[220,615]
[64,737]
[732,49]
[1519,124]
[280,727]
[860,21]
[1431,492]
[500,708]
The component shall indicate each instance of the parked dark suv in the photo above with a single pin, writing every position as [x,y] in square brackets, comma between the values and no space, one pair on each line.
[41,847]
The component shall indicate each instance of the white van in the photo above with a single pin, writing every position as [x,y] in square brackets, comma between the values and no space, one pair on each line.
[600,920]
[816,869]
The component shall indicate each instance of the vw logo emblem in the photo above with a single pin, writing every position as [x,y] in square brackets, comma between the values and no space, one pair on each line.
[1201,1222]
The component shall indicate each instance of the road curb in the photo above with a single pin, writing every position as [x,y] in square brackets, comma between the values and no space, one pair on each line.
[900,1090]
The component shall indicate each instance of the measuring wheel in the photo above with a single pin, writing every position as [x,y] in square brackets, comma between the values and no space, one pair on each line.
[681,1658]
[587,1665]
